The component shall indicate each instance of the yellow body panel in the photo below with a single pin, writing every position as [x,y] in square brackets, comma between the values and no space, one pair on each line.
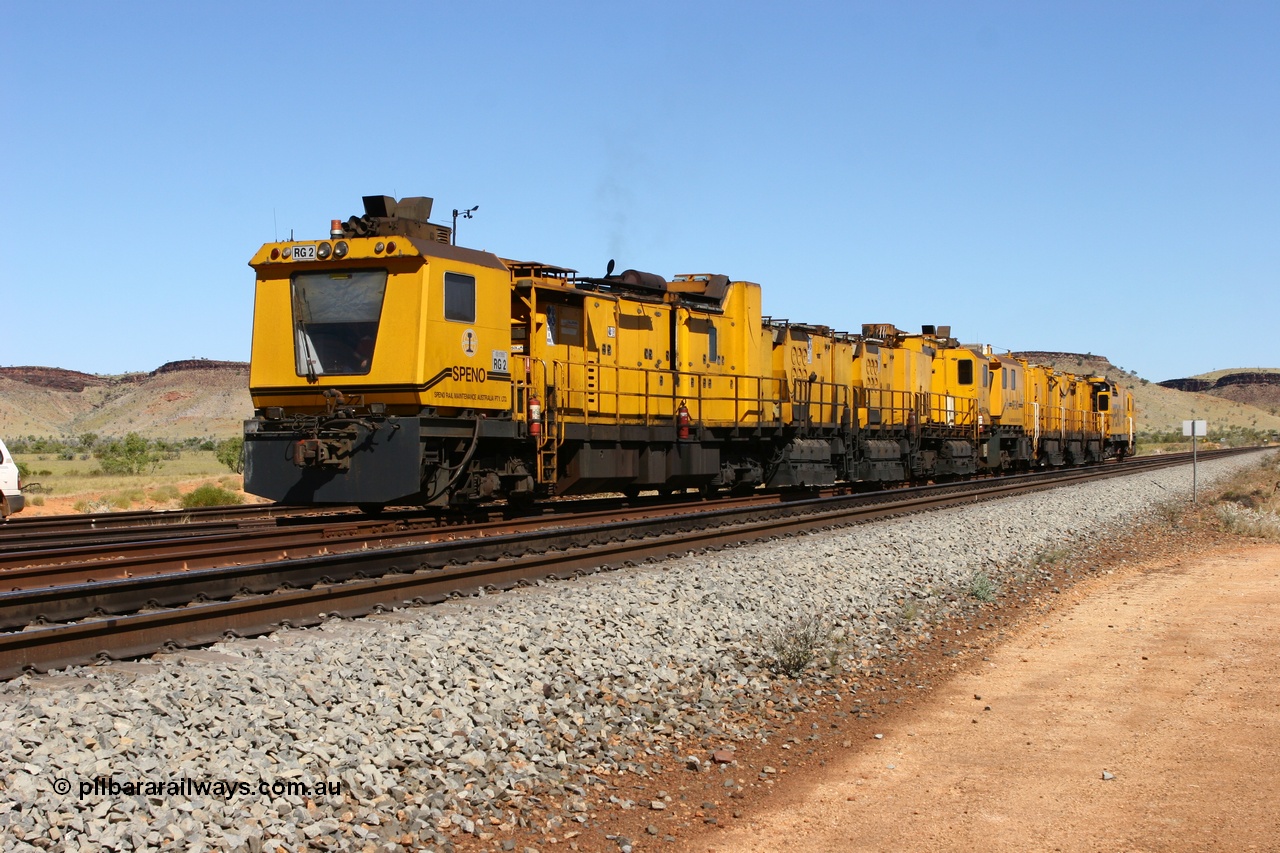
[957,387]
[1008,393]
[416,358]
[618,358]
[909,381]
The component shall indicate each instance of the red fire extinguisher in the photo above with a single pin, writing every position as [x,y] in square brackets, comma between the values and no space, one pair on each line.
[535,417]
[682,421]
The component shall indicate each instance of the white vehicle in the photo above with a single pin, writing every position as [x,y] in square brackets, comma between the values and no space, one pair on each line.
[11,499]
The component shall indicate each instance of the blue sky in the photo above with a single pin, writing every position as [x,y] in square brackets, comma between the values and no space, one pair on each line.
[1091,177]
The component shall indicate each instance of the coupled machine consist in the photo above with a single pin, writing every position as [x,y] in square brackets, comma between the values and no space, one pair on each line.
[390,366]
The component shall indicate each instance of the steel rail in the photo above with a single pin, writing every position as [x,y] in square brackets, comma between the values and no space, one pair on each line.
[42,568]
[65,566]
[25,525]
[489,563]
[27,546]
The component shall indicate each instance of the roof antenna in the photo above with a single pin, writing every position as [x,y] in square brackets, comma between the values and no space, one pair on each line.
[609,269]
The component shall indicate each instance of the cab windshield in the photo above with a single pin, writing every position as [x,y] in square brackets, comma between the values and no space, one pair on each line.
[335,320]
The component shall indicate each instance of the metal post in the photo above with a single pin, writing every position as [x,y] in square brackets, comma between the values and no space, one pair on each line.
[1193,464]
[1192,428]
[465,214]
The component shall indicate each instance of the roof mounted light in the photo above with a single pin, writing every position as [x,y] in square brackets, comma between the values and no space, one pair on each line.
[335,228]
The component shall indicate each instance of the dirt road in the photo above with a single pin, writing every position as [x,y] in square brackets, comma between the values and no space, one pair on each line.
[1144,715]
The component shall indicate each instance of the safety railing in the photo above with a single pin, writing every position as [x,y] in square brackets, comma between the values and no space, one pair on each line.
[607,394]
[950,410]
[890,408]
[819,404]
[1059,420]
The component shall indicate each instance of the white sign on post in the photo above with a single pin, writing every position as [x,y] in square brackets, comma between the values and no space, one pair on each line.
[1195,429]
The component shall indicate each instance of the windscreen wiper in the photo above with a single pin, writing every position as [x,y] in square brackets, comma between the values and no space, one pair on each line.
[308,353]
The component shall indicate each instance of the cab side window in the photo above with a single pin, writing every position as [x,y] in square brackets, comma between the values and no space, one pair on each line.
[964,371]
[459,297]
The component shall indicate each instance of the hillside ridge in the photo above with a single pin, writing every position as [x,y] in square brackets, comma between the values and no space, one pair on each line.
[1244,377]
[179,399]
[73,380]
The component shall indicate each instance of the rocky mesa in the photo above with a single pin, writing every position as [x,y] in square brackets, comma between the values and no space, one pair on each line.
[180,399]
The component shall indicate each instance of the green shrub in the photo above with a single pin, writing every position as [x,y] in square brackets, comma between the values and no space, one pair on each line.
[164,494]
[982,587]
[1050,556]
[231,453]
[792,647]
[1243,521]
[210,495]
[132,455]
[910,610]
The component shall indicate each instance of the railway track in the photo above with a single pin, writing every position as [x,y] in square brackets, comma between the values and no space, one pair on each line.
[119,617]
[101,521]
[117,534]
[49,567]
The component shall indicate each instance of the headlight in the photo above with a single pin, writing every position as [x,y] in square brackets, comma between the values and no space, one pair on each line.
[340,250]
[323,251]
